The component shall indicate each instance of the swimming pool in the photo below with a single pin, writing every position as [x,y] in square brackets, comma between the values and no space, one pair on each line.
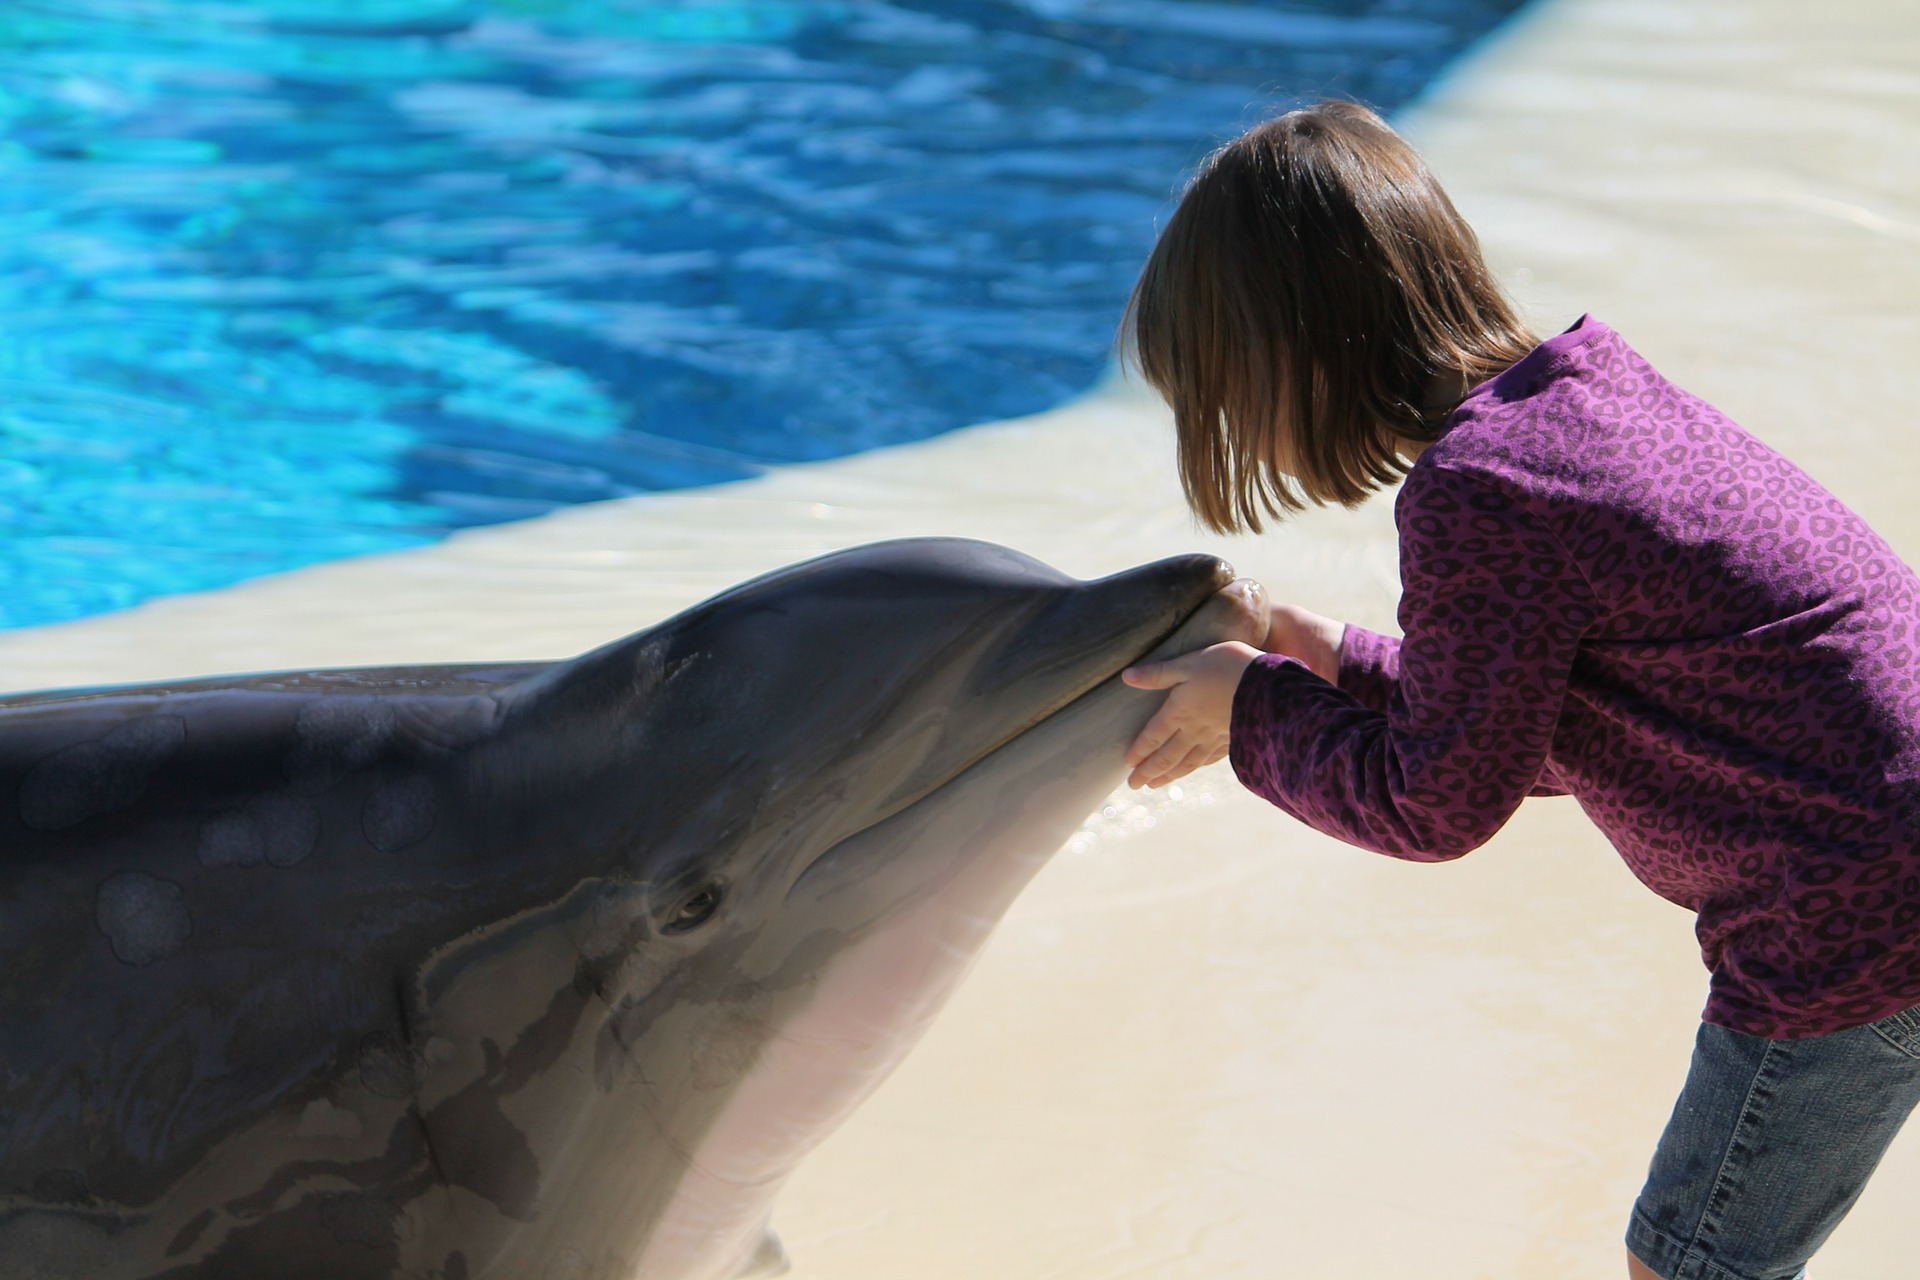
[289,280]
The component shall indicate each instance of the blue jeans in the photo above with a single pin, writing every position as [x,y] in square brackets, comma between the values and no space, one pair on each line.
[1770,1144]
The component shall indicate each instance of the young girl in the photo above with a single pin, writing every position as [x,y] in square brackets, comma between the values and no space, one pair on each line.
[1609,591]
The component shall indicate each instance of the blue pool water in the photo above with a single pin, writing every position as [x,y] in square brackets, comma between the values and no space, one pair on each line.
[288,280]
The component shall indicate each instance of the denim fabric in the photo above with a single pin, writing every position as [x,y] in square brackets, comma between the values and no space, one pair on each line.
[1770,1144]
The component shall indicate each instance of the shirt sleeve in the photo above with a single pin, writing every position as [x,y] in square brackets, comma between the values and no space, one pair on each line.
[1493,608]
[1370,671]
[1369,666]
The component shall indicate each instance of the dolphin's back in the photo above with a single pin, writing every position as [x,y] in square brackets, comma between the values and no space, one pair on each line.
[83,769]
[206,889]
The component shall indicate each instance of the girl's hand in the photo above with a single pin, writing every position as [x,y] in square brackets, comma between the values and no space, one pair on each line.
[1190,729]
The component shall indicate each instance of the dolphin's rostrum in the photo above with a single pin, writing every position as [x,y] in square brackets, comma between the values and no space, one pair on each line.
[531,970]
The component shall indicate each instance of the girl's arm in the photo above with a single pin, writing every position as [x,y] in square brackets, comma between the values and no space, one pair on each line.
[1363,663]
[1369,667]
[1493,608]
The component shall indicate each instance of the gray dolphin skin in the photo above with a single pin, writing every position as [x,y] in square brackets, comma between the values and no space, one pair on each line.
[535,970]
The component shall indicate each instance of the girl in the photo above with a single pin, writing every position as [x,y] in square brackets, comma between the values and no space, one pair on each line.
[1609,590]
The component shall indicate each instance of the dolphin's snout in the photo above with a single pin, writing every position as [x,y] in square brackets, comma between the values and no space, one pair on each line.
[1051,641]
[1189,579]
[1139,608]
[1088,632]
[1239,611]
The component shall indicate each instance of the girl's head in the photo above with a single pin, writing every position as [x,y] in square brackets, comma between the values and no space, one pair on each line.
[1312,312]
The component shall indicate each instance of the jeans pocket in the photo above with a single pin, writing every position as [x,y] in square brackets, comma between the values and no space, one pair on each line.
[1902,1031]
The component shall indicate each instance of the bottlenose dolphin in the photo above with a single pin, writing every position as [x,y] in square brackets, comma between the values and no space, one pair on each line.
[533,970]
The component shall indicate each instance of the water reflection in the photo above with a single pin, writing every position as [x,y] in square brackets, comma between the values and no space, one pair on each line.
[287,280]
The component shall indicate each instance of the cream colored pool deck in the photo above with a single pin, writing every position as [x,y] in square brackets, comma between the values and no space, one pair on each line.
[1208,1043]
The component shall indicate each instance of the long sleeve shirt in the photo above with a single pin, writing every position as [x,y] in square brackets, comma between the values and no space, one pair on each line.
[1611,590]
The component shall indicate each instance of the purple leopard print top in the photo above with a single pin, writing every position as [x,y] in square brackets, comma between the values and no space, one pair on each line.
[1612,591]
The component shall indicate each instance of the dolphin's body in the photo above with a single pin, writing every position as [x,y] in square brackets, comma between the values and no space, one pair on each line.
[546,970]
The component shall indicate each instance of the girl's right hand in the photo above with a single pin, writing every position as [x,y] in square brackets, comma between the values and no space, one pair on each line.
[1307,638]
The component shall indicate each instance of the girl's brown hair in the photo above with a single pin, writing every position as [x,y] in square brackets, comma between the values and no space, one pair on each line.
[1310,296]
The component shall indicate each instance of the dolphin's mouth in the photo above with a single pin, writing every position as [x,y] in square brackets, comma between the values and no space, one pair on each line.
[1165,641]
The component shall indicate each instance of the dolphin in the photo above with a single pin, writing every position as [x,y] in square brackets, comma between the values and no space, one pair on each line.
[542,969]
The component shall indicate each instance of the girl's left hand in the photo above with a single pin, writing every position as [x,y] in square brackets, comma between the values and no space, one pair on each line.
[1190,729]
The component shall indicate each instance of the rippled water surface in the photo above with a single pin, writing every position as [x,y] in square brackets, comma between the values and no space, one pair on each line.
[288,280]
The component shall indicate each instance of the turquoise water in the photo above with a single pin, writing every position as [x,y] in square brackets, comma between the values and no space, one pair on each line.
[288,280]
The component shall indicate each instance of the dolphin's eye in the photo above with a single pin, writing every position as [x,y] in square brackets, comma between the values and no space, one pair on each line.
[695,910]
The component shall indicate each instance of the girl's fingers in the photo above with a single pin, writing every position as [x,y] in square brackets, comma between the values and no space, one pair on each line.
[1196,758]
[1150,739]
[1155,767]
[1157,675]
[1193,759]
